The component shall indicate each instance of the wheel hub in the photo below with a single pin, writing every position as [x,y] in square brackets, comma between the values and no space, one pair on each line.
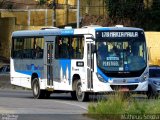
[36,88]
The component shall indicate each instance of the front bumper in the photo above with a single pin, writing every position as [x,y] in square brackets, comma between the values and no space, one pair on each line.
[131,87]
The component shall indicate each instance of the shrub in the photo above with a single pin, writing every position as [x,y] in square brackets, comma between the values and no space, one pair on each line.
[117,106]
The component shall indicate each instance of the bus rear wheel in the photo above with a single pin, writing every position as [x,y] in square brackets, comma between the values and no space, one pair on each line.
[81,96]
[37,93]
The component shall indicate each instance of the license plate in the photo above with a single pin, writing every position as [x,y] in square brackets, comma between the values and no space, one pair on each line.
[124,89]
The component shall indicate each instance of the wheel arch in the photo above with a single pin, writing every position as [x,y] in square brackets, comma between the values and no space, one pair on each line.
[34,75]
[75,78]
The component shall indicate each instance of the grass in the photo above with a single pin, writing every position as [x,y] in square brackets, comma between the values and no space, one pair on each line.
[119,107]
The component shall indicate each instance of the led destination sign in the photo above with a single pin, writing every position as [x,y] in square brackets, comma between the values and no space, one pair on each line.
[119,34]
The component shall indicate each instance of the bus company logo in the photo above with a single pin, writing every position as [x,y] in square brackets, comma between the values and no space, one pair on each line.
[110,80]
[34,67]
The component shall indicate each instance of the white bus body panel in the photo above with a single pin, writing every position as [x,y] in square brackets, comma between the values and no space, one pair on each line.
[64,70]
[22,71]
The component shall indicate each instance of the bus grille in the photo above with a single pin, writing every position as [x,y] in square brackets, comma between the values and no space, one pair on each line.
[129,87]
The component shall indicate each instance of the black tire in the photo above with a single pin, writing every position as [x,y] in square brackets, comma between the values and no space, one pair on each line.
[37,93]
[73,95]
[81,96]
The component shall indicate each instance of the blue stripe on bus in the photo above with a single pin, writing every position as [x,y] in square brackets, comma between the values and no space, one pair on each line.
[64,64]
[117,28]
[67,32]
[107,78]
[102,74]
[102,29]
[29,72]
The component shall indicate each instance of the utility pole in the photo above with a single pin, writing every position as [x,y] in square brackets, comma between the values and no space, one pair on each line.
[54,13]
[66,12]
[29,19]
[46,17]
[78,13]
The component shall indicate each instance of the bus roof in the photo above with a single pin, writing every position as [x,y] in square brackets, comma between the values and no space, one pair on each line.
[118,28]
[57,31]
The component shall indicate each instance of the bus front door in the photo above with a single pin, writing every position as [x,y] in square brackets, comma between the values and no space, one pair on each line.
[50,63]
[90,66]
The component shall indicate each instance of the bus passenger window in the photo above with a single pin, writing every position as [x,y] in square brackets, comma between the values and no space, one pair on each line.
[58,46]
[64,49]
[17,48]
[69,47]
[78,47]
[25,48]
[38,52]
[61,47]
[39,45]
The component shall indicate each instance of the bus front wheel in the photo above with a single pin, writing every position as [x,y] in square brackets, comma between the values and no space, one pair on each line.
[37,93]
[81,96]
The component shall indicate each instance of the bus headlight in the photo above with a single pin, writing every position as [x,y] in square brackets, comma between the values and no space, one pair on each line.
[144,77]
[101,78]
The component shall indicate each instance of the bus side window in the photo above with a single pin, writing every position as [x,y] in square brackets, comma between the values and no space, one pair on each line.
[64,49]
[58,47]
[23,48]
[38,47]
[19,54]
[69,47]
[71,50]
[78,47]
[17,48]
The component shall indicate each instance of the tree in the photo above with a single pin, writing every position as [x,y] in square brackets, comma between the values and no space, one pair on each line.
[124,8]
[153,15]
[41,2]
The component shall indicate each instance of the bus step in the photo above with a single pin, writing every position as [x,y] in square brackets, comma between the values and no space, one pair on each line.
[50,89]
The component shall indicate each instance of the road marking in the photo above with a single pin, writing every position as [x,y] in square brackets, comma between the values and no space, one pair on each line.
[6,111]
[71,104]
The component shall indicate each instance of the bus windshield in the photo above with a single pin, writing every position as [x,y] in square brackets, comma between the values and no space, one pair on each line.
[121,55]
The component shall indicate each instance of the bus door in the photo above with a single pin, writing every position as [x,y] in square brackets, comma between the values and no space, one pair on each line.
[49,63]
[90,65]
[49,59]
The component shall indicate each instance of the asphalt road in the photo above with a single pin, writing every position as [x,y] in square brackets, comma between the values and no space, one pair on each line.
[20,105]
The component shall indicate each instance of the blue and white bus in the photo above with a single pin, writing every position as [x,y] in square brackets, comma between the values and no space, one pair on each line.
[92,59]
